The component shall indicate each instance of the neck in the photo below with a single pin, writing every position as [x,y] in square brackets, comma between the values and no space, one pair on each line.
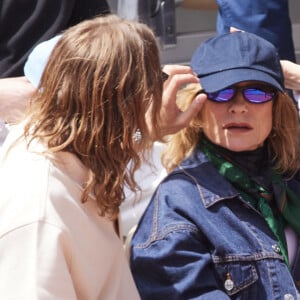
[255,163]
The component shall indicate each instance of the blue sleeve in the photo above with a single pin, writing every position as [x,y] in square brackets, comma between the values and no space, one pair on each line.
[175,267]
[170,256]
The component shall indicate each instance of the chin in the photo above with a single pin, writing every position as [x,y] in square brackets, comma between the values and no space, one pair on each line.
[239,146]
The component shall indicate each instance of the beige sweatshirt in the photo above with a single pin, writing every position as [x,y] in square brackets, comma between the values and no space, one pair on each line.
[51,245]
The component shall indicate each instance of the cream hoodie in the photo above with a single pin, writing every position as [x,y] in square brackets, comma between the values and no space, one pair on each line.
[51,245]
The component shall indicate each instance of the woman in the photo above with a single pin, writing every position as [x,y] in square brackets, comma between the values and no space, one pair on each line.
[224,224]
[64,168]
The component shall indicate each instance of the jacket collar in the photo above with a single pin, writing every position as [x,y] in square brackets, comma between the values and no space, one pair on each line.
[212,186]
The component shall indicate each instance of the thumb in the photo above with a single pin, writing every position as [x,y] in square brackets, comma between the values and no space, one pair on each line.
[187,115]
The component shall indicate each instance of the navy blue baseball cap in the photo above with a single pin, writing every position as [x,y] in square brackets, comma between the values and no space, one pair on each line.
[230,58]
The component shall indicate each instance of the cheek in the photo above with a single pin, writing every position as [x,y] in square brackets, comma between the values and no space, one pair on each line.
[265,127]
[265,130]
[211,123]
[211,114]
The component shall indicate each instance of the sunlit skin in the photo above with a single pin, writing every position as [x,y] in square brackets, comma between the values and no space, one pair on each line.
[237,125]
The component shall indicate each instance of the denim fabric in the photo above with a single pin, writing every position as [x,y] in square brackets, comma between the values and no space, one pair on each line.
[197,232]
[266,18]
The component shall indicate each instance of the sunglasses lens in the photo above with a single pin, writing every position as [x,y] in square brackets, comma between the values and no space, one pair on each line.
[258,96]
[253,95]
[221,96]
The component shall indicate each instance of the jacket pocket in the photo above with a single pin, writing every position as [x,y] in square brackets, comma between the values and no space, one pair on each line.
[235,275]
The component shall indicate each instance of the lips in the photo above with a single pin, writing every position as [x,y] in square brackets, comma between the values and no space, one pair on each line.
[241,126]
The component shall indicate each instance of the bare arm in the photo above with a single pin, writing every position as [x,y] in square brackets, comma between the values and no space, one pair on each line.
[15,93]
[291,72]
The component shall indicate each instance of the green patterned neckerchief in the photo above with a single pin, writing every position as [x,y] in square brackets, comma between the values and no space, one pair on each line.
[287,202]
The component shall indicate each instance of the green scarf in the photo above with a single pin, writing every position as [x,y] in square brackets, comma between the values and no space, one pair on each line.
[287,203]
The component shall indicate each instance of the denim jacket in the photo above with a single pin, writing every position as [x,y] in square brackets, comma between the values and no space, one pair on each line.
[198,239]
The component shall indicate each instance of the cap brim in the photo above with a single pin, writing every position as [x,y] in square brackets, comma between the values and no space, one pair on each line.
[222,79]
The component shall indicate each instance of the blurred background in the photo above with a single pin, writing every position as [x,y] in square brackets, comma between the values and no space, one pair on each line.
[191,27]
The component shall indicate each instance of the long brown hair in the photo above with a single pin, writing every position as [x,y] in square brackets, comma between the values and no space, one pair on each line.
[102,77]
[284,139]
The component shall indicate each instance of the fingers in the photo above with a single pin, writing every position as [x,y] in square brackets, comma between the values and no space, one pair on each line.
[173,119]
[185,117]
[176,82]
[177,69]
[179,75]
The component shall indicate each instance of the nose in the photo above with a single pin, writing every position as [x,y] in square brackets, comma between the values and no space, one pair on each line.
[238,104]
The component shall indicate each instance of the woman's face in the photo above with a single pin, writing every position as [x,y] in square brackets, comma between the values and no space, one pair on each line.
[237,125]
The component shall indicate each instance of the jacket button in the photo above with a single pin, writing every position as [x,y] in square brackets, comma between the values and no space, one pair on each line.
[288,297]
[276,248]
[228,284]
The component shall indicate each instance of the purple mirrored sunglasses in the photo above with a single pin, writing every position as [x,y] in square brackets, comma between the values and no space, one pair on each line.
[251,94]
